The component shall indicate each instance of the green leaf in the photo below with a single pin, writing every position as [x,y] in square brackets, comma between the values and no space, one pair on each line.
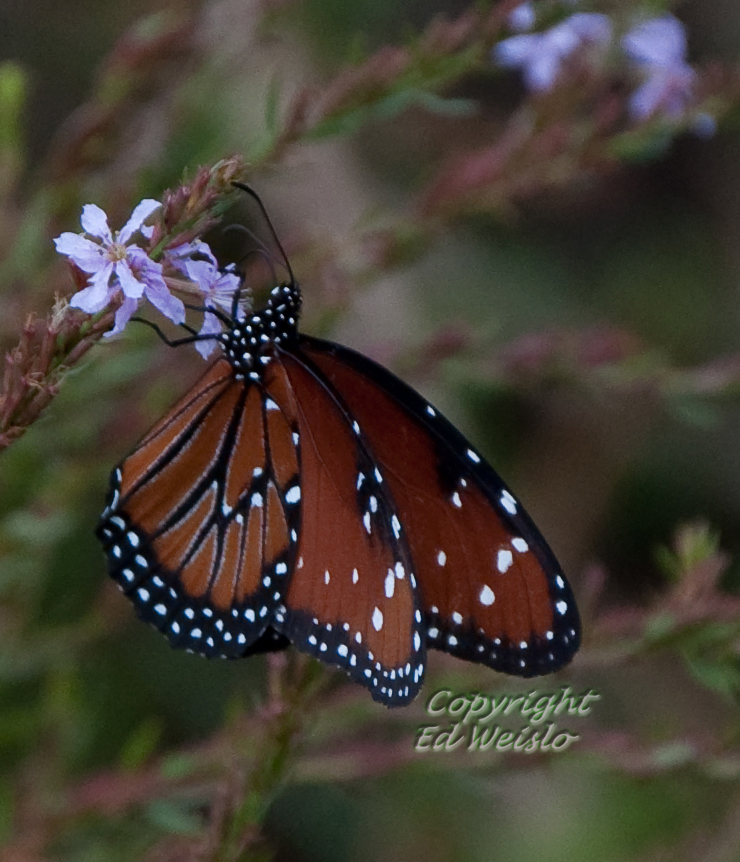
[141,744]
[174,817]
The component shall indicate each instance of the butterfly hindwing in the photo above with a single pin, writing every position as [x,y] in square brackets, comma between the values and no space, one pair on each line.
[198,530]
[491,588]
[352,600]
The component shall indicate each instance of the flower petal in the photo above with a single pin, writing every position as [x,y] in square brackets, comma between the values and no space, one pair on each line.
[124,313]
[668,90]
[73,244]
[223,290]
[84,253]
[202,272]
[191,249]
[522,18]
[96,295]
[130,284]
[591,27]
[140,214]
[164,301]
[516,50]
[95,222]
[211,326]
[658,42]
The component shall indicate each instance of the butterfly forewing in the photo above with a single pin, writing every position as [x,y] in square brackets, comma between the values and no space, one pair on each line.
[491,588]
[200,531]
[352,599]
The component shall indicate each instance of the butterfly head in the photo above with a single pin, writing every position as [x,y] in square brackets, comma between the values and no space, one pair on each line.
[249,343]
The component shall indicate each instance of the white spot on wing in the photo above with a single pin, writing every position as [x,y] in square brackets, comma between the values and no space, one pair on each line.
[508,502]
[504,560]
[390,584]
[473,457]
[441,558]
[486,596]
[520,545]
[377,619]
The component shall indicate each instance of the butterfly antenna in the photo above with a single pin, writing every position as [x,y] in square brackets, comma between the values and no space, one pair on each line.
[250,191]
[175,342]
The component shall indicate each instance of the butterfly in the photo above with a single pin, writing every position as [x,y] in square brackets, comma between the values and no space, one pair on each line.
[300,493]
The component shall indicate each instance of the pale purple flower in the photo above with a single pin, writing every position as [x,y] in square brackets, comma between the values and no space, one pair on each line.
[658,48]
[666,90]
[657,42]
[197,262]
[541,55]
[115,263]
[522,18]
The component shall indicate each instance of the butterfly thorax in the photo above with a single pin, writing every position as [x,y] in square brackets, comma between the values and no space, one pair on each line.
[249,344]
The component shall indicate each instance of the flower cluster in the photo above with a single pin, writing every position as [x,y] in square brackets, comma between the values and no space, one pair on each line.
[655,50]
[118,268]
[218,287]
[541,55]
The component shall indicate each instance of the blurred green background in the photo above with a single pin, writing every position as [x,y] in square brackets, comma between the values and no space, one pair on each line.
[580,311]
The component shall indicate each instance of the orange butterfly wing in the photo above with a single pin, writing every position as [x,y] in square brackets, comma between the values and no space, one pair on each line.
[201,525]
[492,590]
[352,599]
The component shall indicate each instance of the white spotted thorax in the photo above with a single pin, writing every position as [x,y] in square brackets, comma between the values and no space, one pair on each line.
[249,344]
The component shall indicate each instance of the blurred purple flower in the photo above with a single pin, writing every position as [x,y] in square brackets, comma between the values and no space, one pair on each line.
[197,262]
[657,42]
[540,55]
[113,263]
[522,18]
[658,48]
